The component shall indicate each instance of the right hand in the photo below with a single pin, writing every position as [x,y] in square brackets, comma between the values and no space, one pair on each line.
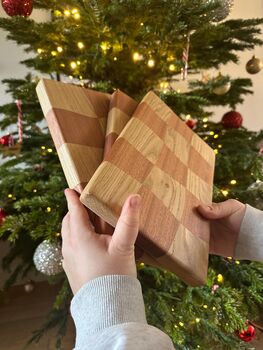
[225,220]
[88,254]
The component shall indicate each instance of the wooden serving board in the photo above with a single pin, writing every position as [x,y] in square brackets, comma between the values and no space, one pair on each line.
[161,158]
[77,120]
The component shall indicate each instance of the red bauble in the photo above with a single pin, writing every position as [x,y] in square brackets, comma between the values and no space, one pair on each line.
[2,215]
[191,123]
[248,334]
[232,119]
[18,7]
[7,140]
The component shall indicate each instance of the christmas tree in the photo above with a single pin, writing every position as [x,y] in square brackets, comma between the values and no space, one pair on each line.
[135,46]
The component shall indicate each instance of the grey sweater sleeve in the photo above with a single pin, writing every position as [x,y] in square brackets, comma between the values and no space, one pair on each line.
[250,239]
[109,313]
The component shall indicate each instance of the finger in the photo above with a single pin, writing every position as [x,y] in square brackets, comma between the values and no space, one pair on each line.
[73,200]
[65,226]
[75,206]
[219,210]
[127,227]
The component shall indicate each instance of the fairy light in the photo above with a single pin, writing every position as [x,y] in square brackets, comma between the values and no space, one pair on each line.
[205,120]
[136,56]
[142,264]
[237,262]
[57,13]
[67,13]
[175,326]
[216,136]
[214,308]
[59,49]
[172,67]
[205,125]
[151,63]
[80,77]
[115,58]
[50,150]
[73,65]
[211,133]
[197,320]
[205,306]
[105,46]
[181,324]
[80,45]
[164,85]
[142,24]
[70,77]
[188,117]
[54,53]
[220,278]
[34,190]
[10,195]
[178,91]
[43,147]
[77,16]
[216,151]
[170,58]
[78,63]
[224,192]
[233,182]
[48,209]
[74,11]
[62,65]
[219,146]
[40,50]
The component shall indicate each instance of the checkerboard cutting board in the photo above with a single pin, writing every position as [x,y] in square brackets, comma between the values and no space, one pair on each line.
[77,120]
[159,157]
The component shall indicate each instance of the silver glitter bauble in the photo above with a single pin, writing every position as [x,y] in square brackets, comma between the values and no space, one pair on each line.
[222,11]
[47,258]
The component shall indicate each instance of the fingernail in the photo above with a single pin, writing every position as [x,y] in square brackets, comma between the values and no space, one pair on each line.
[135,201]
[209,207]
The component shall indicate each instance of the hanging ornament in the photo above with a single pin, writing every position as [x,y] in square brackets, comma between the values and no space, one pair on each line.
[185,57]
[19,120]
[2,215]
[232,119]
[18,7]
[191,123]
[222,11]
[254,65]
[7,140]
[47,258]
[221,84]
[29,286]
[223,89]
[214,288]
[248,334]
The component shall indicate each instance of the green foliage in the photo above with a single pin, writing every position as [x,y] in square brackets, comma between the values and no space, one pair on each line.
[32,181]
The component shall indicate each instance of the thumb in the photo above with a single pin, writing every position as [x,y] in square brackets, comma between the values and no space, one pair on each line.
[219,210]
[127,227]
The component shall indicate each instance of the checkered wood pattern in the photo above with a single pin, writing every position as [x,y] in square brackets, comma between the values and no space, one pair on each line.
[164,161]
[76,119]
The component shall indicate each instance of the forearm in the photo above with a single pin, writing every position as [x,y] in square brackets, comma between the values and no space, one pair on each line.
[109,314]
[250,240]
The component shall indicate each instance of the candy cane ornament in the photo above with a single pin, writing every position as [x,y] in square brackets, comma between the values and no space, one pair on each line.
[19,120]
